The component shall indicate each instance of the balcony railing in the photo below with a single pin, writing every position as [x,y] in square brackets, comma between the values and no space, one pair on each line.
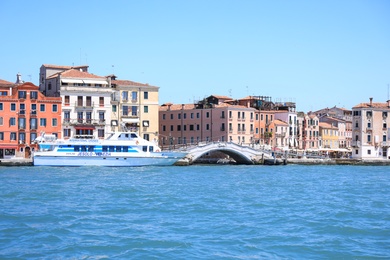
[73,122]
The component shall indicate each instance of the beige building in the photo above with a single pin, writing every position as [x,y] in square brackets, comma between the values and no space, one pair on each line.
[135,107]
[371,130]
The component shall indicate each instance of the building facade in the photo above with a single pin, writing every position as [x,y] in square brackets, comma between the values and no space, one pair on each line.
[371,130]
[135,107]
[25,113]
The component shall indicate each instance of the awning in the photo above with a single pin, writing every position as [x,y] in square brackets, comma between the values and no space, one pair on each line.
[88,81]
[71,80]
[130,120]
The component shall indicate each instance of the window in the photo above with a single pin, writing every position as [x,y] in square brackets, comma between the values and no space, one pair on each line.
[163,116]
[42,108]
[42,122]
[22,94]
[79,101]
[125,95]
[146,109]
[49,86]
[88,101]
[1,106]
[113,108]
[178,127]
[55,108]
[164,128]
[80,117]
[33,95]
[101,133]
[88,117]
[171,127]
[66,116]
[134,96]
[12,136]
[22,123]
[368,151]
[146,95]
[384,138]
[22,137]
[66,100]
[384,114]
[146,137]
[171,116]
[101,101]
[207,114]
[178,116]
[66,132]
[101,117]
[12,121]
[125,110]
[197,115]
[1,120]
[1,136]
[134,110]
[33,123]
[13,107]
[54,122]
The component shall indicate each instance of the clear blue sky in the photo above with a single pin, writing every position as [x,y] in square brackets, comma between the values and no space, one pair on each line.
[315,53]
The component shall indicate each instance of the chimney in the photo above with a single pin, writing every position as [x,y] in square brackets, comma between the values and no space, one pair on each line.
[19,79]
[370,101]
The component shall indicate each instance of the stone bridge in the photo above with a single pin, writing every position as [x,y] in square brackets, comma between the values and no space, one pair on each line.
[241,154]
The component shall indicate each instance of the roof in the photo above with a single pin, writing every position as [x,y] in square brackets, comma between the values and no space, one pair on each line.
[327,125]
[73,73]
[63,67]
[372,105]
[221,97]
[4,82]
[129,83]
[280,122]
[172,107]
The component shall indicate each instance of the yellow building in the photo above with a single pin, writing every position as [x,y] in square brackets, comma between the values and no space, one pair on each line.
[135,108]
[329,136]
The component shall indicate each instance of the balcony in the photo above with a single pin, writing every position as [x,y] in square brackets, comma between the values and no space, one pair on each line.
[355,143]
[84,104]
[78,122]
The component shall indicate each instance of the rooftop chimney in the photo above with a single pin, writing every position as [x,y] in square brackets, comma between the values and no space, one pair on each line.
[19,79]
[370,101]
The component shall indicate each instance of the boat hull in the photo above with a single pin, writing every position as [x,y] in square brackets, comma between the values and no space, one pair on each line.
[163,159]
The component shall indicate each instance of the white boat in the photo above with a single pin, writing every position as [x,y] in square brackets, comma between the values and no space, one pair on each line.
[119,149]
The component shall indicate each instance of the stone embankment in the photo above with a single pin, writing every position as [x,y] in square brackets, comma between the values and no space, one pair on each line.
[303,161]
[16,162]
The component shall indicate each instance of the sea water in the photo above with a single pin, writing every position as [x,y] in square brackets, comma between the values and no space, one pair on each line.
[195,212]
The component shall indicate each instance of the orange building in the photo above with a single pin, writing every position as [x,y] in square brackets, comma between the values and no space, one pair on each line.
[24,114]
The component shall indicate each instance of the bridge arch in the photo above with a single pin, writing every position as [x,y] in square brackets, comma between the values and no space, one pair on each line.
[241,154]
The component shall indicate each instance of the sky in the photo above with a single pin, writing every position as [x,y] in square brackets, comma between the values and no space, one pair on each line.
[316,53]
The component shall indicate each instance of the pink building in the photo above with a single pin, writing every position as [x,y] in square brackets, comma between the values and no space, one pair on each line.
[209,120]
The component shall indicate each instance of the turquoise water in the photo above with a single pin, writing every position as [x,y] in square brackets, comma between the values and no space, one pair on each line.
[196,212]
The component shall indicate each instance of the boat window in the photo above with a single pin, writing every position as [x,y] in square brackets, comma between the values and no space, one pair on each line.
[150,148]
[144,148]
[104,148]
[125,149]
[118,148]
[91,148]
[76,148]
[134,136]
[127,136]
[83,148]
[112,148]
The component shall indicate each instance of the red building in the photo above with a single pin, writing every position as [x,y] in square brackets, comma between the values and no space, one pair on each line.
[24,114]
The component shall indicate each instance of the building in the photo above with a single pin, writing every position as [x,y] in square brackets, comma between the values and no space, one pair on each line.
[135,107]
[280,135]
[329,137]
[25,113]
[343,114]
[211,119]
[310,132]
[371,130]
